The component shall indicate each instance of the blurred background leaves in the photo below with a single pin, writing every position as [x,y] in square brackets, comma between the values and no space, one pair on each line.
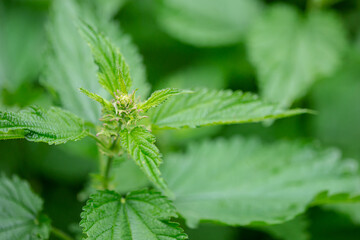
[302,54]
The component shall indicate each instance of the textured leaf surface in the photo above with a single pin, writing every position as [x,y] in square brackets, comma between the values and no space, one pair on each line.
[160,96]
[53,126]
[133,58]
[20,212]
[212,107]
[103,12]
[140,215]
[291,51]
[70,65]
[113,72]
[243,181]
[140,144]
[208,22]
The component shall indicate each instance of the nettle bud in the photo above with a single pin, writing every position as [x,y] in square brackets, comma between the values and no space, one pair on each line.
[122,113]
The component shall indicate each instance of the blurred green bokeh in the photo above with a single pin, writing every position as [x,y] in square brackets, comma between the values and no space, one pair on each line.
[188,44]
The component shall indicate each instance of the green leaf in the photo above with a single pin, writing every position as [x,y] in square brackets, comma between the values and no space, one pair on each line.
[114,74]
[53,126]
[160,96]
[20,212]
[22,42]
[69,63]
[100,15]
[13,134]
[208,22]
[140,215]
[140,145]
[133,58]
[291,51]
[243,181]
[94,96]
[211,107]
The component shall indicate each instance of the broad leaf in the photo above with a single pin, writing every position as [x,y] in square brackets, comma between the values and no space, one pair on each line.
[291,51]
[211,107]
[69,64]
[243,181]
[140,145]
[160,96]
[22,42]
[20,212]
[208,22]
[113,72]
[53,126]
[140,215]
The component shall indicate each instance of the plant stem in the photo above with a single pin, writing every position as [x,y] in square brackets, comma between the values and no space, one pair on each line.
[109,164]
[60,234]
[97,140]
[107,171]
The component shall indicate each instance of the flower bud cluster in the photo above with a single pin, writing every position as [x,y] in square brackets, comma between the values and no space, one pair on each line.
[123,112]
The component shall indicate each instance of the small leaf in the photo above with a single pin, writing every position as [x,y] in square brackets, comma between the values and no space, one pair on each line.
[113,72]
[212,107]
[132,57]
[140,145]
[94,96]
[138,216]
[20,212]
[243,181]
[291,51]
[100,14]
[160,96]
[53,126]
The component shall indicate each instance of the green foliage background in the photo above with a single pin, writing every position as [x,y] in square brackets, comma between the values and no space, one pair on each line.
[303,54]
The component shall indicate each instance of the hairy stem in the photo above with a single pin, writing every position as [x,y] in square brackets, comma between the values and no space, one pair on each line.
[60,234]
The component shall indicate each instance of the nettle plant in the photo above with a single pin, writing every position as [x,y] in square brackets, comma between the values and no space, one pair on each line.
[241,188]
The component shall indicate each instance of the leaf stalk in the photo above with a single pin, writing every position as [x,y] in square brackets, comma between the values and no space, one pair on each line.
[60,234]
